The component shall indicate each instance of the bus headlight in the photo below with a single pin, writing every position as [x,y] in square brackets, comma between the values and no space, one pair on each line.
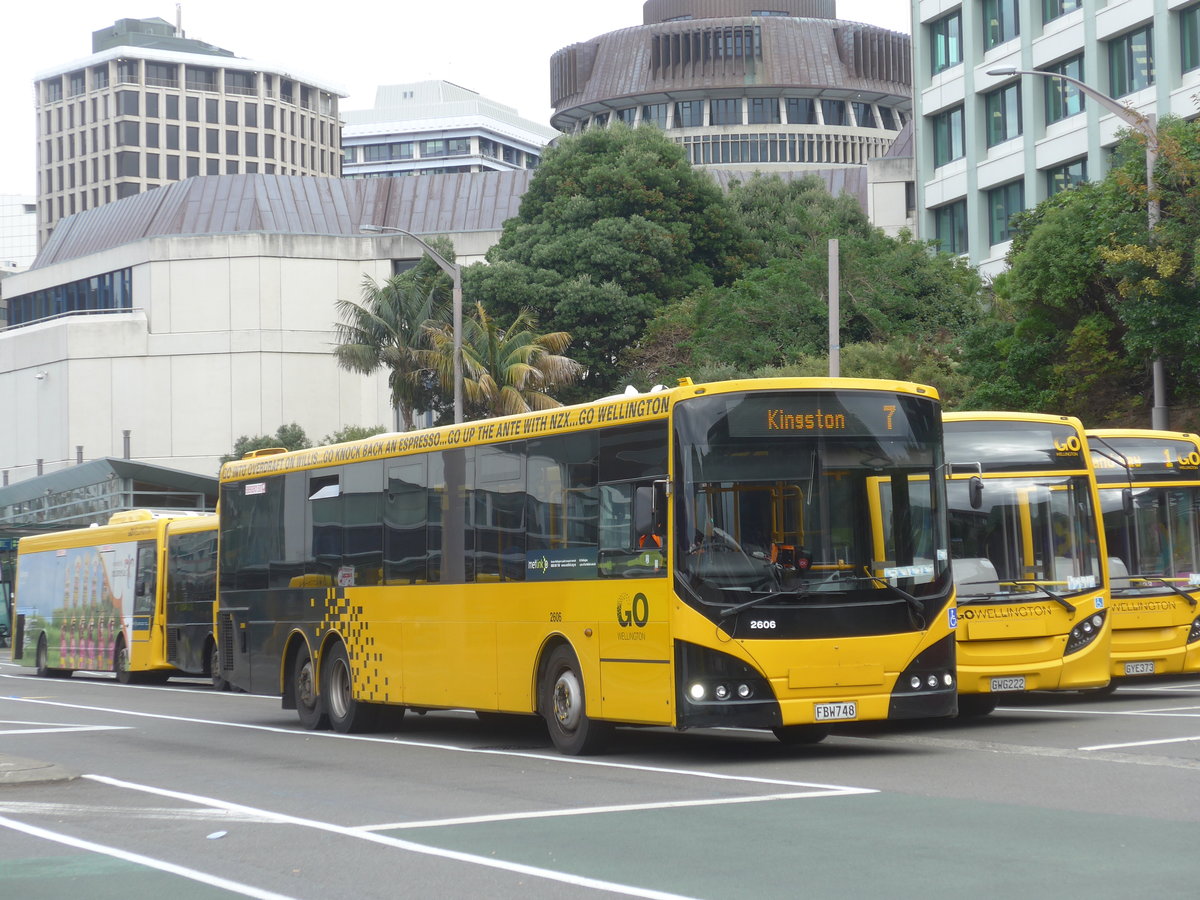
[744,691]
[1085,632]
[721,692]
[696,691]
[1194,634]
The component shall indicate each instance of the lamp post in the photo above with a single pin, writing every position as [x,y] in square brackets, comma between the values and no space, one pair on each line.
[455,273]
[1144,125]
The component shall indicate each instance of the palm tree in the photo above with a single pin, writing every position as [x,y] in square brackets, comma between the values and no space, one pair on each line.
[507,370]
[390,327]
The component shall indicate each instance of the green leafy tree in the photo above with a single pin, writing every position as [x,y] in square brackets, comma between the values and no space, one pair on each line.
[352,433]
[506,370]
[289,437]
[777,315]
[615,224]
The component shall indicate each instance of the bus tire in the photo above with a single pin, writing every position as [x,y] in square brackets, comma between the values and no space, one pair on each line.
[121,663]
[43,670]
[346,715]
[564,707]
[800,735]
[974,706]
[310,705]
[214,669]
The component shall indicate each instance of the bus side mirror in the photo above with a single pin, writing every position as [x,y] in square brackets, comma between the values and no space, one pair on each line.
[659,507]
[1127,501]
[975,491]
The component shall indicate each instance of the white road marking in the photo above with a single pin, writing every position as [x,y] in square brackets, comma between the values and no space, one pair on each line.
[429,745]
[1168,712]
[124,813]
[594,810]
[399,844]
[53,728]
[137,858]
[1177,740]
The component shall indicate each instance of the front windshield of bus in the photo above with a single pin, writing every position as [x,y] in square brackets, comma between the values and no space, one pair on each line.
[1023,535]
[1160,538]
[809,497]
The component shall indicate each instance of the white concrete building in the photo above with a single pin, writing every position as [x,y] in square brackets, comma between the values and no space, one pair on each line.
[18,233]
[203,311]
[990,146]
[431,127]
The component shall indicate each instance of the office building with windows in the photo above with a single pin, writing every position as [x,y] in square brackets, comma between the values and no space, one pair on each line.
[150,107]
[435,127]
[769,85]
[18,233]
[989,146]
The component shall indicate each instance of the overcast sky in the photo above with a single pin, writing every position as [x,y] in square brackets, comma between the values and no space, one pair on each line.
[501,50]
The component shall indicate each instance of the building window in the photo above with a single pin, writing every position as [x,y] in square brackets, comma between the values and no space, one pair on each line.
[151,134]
[151,105]
[433,148]
[251,141]
[948,136]
[100,77]
[172,137]
[129,134]
[1189,38]
[689,114]
[231,142]
[240,83]
[627,115]
[193,166]
[655,114]
[1066,176]
[151,165]
[1063,99]
[193,139]
[764,111]
[1000,22]
[172,168]
[886,117]
[192,107]
[600,120]
[801,111]
[76,83]
[127,71]
[127,103]
[128,164]
[1131,62]
[212,141]
[1052,9]
[725,112]
[53,89]
[199,78]
[162,74]
[1003,111]
[950,227]
[834,112]
[1003,202]
[863,114]
[231,112]
[945,42]
[458,146]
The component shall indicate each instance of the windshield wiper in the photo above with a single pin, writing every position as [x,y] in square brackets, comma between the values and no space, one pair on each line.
[916,609]
[1162,580]
[976,598]
[801,590]
[1057,598]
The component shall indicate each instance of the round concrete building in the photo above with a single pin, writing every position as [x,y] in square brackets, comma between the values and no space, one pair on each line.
[776,84]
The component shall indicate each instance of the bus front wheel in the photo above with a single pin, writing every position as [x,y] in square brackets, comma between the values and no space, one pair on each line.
[564,707]
[121,663]
[346,714]
[800,735]
[309,704]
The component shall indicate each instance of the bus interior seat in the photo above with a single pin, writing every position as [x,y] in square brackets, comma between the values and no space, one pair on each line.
[975,576]
[1117,569]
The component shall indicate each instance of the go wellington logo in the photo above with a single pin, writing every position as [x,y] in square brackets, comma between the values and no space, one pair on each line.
[638,613]
[1070,445]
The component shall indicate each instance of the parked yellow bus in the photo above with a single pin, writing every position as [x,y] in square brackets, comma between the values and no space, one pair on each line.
[1150,498]
[134,597]
[701,556]
[1028,553]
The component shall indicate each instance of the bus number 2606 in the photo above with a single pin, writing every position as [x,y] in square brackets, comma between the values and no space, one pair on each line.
[762,623]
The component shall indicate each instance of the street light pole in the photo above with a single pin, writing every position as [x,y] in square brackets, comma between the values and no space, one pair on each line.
[455,273]
[1145,125]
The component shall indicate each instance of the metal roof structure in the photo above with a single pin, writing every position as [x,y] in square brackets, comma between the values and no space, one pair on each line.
[292,204]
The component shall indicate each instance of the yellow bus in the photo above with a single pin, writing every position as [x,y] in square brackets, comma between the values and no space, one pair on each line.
[1150,499]
[1027,553]
[707,555]
[134,597]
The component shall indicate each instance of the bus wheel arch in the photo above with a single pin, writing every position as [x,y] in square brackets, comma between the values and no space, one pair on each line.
[562,701]
[212,662]
[301,689]
[121,661]
[43,655]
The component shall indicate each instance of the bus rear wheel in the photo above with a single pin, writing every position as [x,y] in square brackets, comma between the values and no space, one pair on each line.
[800,735]
[214,669]
[346,715]
[564,706]
[43,670]
[310,706]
